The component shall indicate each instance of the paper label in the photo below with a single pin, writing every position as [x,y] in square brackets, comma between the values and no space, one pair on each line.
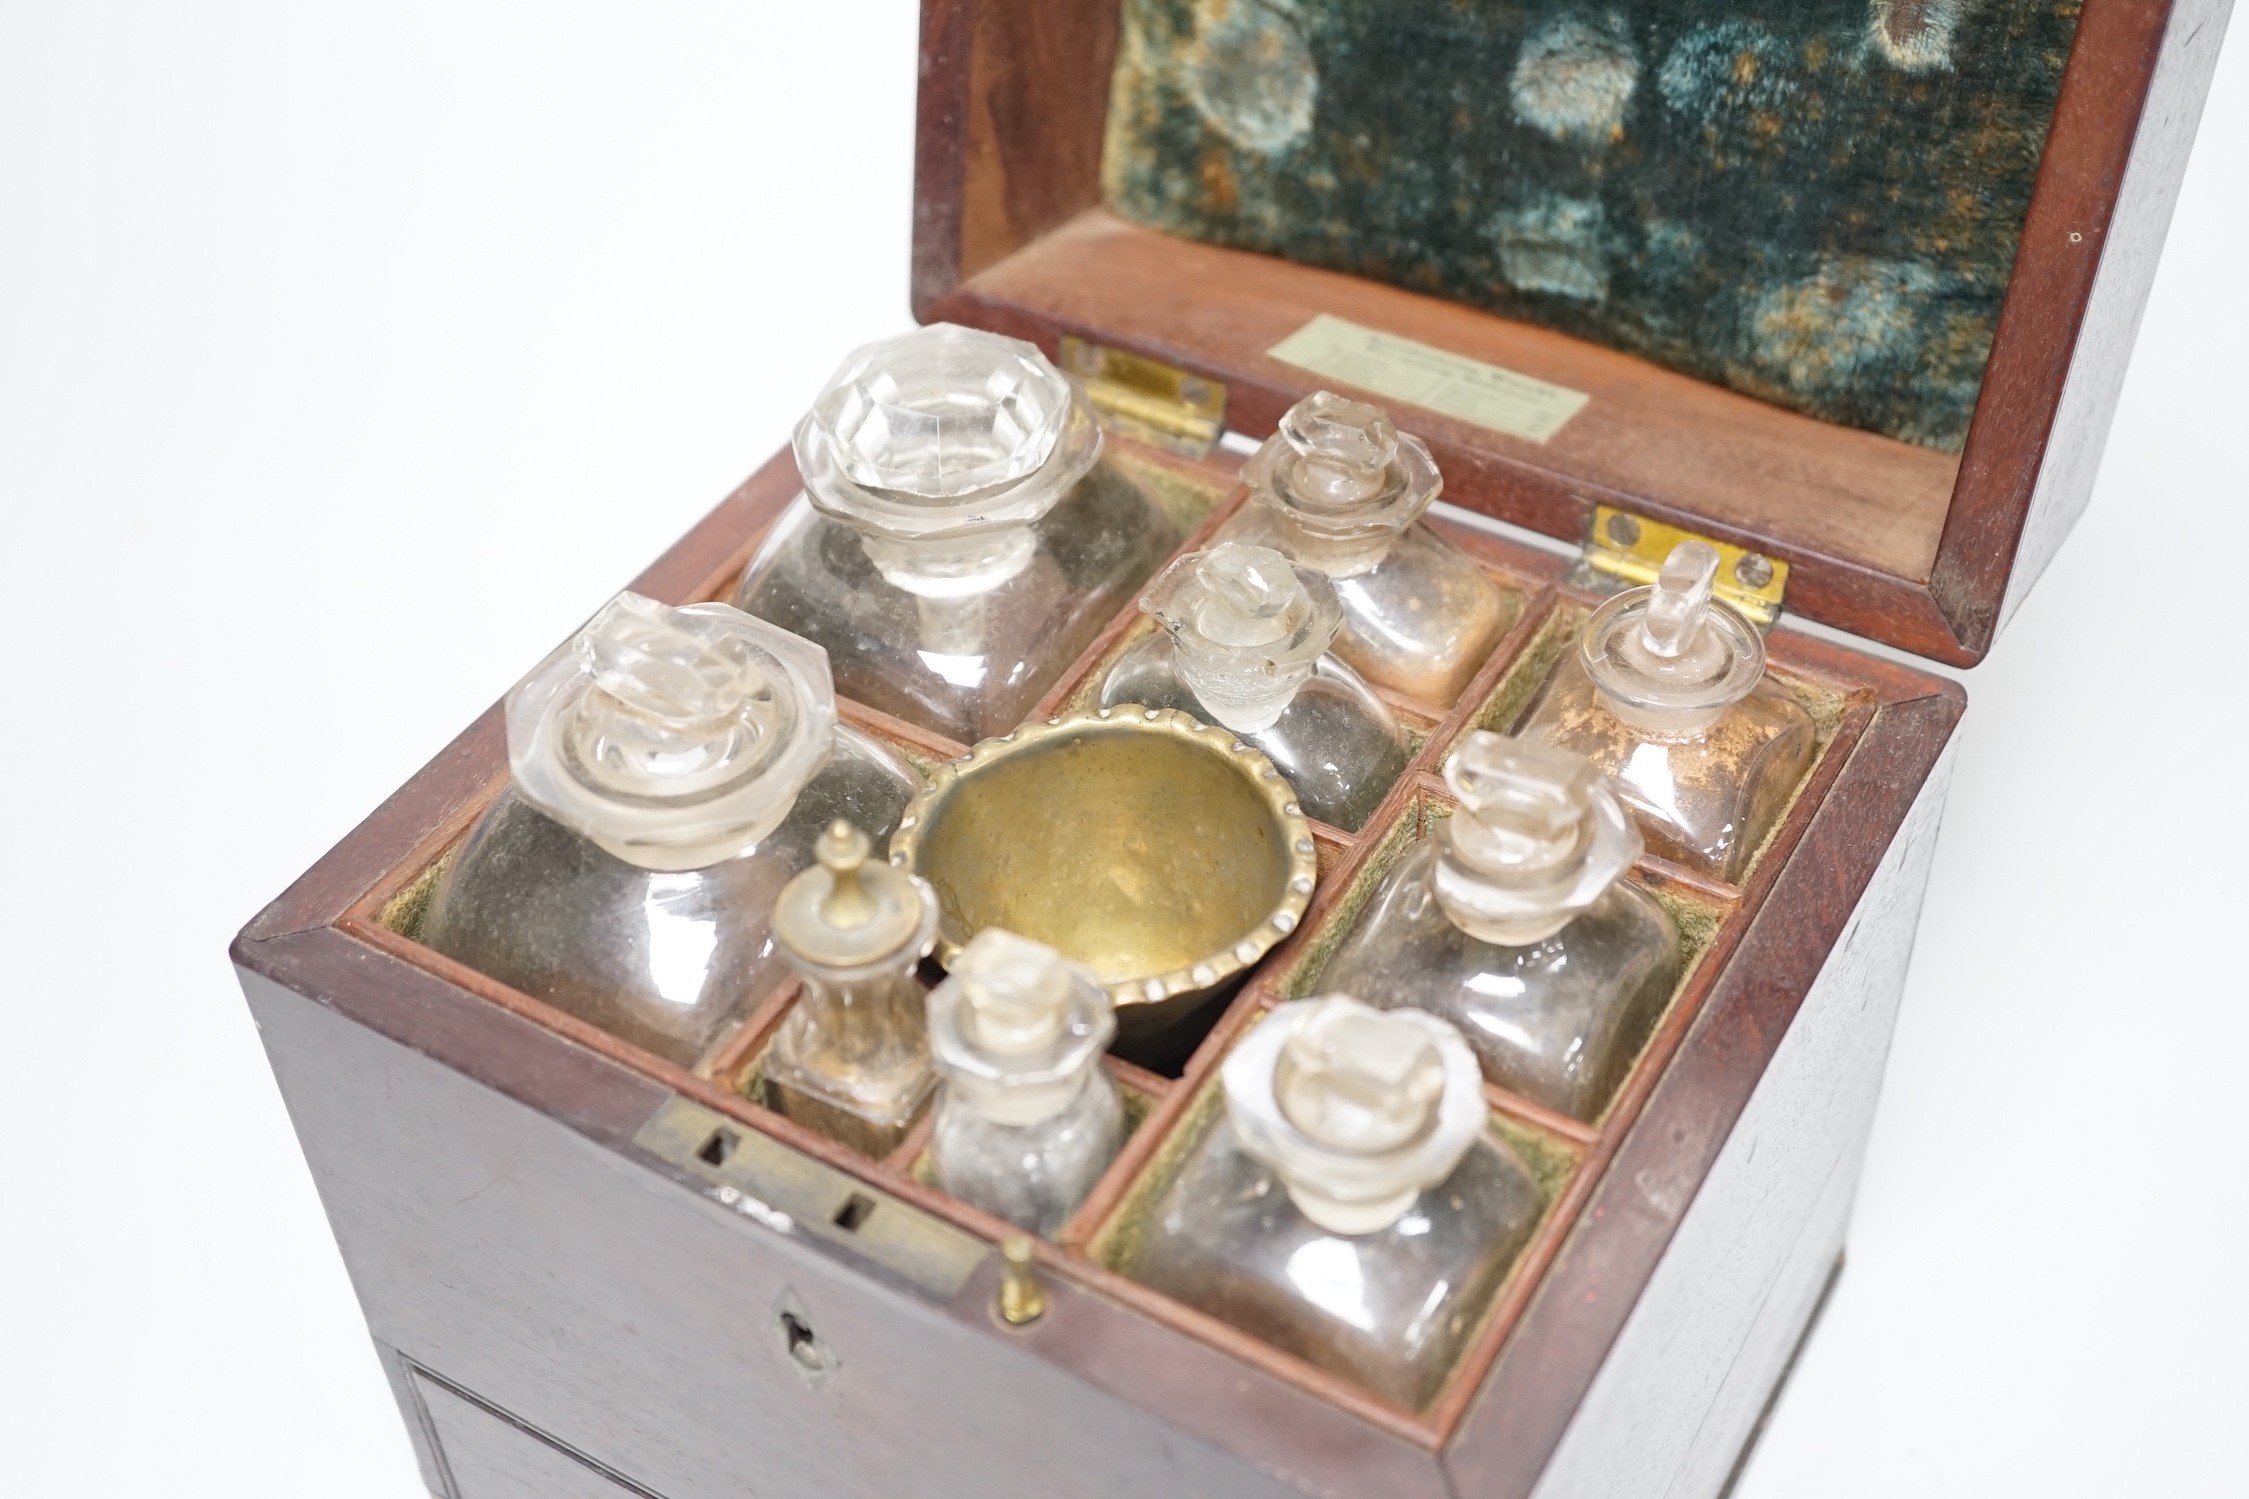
[1406,370]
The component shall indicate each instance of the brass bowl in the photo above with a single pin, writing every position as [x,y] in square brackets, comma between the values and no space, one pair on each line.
[1163,854]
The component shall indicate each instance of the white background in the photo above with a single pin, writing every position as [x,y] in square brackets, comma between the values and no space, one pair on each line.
[351,354]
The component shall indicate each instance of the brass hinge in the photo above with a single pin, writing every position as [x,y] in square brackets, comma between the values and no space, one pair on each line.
[1147,400]
[1624,550]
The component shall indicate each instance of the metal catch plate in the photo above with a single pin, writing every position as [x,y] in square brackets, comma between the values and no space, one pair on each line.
[1147,400]
[790,1192]
[1627,551]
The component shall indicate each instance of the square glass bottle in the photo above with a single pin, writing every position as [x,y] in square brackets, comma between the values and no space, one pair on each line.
[1352,1206]
[672,770]
[1245,646]
[1029,1118]
[1667,694]
[1516,925]
[956,547]
[851,1059]
[1338,488]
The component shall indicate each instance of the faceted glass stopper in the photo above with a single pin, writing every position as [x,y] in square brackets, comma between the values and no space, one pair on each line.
[944,430]
[673,738]
[1015,1025]
[1355,1083]
[1358,1110]
[1249,627]
[944,411]
[1344,450]
[1673,656]
[844,914]
[1339,474]
[1540,834]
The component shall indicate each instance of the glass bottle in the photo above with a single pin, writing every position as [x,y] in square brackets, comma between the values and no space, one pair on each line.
[672,769]
[1351,1206]
[1340,489]
[851,1059]
[1667,695]
[1246,647]
[1029,1118]
[955,548]
[1514,923]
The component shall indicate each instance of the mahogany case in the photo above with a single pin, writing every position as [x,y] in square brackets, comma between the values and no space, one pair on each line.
[591,1273]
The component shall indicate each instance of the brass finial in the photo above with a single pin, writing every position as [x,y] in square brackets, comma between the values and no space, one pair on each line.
[841,850]
[1022,1299]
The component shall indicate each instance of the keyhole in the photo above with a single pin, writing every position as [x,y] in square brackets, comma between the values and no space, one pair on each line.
[804,1345]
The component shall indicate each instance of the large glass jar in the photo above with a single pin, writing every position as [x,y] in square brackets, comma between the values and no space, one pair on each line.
[1353,1206]
[672,769]
[1667,695]
[956,547]
[1245,646]
[1514,923]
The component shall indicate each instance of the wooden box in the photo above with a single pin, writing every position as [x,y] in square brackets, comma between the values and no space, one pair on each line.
[592,1273]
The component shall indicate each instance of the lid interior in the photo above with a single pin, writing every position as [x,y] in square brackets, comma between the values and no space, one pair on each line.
[1800,257]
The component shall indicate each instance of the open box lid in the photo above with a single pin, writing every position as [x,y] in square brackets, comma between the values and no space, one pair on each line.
[1733,270]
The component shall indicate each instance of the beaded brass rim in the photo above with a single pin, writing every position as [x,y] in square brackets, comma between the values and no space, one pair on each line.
[1208,971]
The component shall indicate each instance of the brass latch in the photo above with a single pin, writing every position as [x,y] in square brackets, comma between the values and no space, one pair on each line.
[791,1193]
[1627,551]
[1146,399]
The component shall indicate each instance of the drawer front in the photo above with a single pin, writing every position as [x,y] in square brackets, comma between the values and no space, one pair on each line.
[486,1455]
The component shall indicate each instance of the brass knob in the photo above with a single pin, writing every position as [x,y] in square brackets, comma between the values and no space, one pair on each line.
[1022,1300]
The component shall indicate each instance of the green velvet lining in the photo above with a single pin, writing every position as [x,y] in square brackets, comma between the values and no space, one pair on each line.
[1816,202]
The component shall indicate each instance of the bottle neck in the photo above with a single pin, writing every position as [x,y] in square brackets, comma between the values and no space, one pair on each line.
[1339,554]
[1248,702]
[944,568]
[1493,912]
[1350,1219]
[1018,1106]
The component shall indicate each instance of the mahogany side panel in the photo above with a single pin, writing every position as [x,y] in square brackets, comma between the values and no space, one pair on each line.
[1015,94]
[2065,237]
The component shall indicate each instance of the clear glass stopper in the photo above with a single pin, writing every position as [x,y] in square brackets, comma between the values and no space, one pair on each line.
[673,738]
[1342,480]
[845,915]
[1016,1026]
[1358,1110]
[1672,657]
[944,432]
[1248,627]
[1353,1084]
[1539,835]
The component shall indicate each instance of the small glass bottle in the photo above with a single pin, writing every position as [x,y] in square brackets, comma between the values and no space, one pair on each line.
[1666,693]
[1515,924]
[1246,647]
[672,769]
[1351,1207]
[1029,1118]
[851,1060]
[1340,489]
[955,548]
